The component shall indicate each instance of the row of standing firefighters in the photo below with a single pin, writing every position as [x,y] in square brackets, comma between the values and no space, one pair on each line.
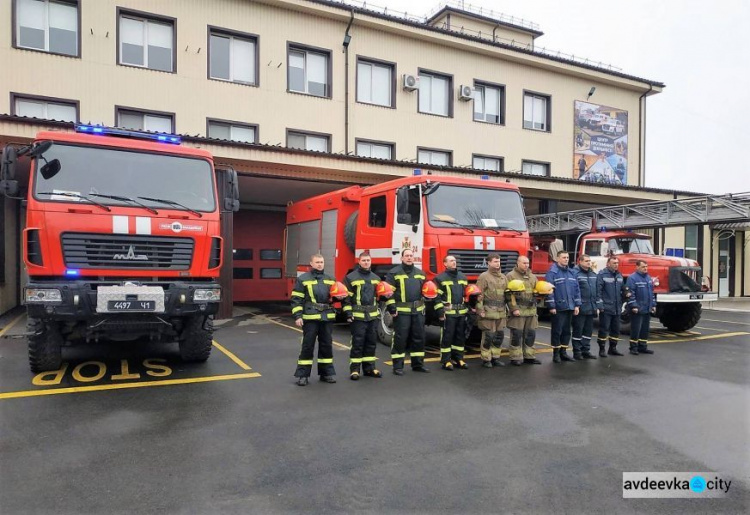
[574,297]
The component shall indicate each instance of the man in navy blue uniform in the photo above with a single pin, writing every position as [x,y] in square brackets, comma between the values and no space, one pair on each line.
[609,294]
[642,304]
[583,323]
[564,303]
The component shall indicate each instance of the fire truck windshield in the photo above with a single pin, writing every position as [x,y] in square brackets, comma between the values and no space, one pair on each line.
[450,205]
[106,174]
[630,246]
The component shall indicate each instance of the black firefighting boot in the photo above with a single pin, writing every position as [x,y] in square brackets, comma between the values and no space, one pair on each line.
[588,355]
[643,348]
[564,355]
[577,355]
[613,350]
[556,355]
[602,351]
[634,349]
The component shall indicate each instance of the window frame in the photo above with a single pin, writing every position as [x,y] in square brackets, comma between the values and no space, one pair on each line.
[696,249]
[357,141]
[485,156]
[233,34]
[243,125]
[55,100]
[299,47]
[145,16]
[430,149]
[501,87]
[328,137]
[14,17]
[451,100]
[136,110]
[377,62]
[548,119]
[530,161]
[385,211]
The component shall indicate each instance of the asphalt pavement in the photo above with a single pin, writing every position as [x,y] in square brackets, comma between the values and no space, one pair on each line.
[129,428]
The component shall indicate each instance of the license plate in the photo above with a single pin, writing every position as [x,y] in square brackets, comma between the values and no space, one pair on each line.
[696,296]
[131,305]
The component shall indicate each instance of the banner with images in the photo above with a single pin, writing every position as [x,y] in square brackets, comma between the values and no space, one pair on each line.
[600,147]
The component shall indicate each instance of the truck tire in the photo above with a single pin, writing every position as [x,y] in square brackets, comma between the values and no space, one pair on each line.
[385,326]
[196,339]
[45,345]
[350,231]
[680,317]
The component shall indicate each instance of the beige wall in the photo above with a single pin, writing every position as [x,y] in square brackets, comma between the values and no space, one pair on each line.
[100,84]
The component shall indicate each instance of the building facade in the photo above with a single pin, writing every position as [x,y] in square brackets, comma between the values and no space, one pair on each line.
[302,97]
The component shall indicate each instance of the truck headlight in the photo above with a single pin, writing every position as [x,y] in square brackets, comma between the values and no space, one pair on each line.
[656,281]
[207,295]
[43,295]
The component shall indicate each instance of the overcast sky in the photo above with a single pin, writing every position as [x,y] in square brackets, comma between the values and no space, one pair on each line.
[698,128]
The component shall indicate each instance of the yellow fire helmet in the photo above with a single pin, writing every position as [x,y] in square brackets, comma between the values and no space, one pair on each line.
[516,285]
[543,288]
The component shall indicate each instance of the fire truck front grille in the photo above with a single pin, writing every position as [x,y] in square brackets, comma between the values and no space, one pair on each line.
[132,252]
[474,262]
[685,279]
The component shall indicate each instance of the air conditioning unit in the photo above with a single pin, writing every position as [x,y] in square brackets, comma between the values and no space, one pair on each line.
[465,93]
[411,82]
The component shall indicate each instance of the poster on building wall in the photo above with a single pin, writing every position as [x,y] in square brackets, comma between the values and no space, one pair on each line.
[600,143]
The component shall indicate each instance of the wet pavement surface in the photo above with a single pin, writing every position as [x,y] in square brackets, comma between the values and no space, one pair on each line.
[129,428]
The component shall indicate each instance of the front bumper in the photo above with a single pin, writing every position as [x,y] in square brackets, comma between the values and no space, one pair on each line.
[699,296]
[81,300]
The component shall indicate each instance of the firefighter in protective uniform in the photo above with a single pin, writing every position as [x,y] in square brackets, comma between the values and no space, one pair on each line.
[491,310]
[361,309]
[314,313]
[452,311]
[523,320]
[407,309]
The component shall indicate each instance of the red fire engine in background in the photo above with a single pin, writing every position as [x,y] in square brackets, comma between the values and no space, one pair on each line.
[433,215]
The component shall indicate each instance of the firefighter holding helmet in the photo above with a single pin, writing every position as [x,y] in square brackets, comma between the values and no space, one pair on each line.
[407,307]
[452,310]
[361,309]
[523,288]
[491,310]
[314,313]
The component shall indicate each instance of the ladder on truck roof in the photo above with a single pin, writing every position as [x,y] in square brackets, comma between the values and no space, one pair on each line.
[708,209]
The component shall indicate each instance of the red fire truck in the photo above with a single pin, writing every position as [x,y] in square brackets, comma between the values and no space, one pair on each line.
[122,239]
[678,282]
[432,215]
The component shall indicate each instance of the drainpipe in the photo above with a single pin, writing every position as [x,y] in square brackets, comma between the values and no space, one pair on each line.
[642,136]
[347,40]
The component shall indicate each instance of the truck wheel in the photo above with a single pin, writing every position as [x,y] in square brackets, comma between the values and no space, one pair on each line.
[385,326]
[350,231]
[196,338]
[681,317]
[45,345]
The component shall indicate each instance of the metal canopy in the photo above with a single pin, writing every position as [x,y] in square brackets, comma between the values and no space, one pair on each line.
[709,209]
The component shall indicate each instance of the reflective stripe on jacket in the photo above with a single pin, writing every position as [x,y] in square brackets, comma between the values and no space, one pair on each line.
[567,295]
[407,280]
[450,301]
[362,303]
[311,297]
[524,302]
[492,300]
[641,288]
[587,285]
[609,290]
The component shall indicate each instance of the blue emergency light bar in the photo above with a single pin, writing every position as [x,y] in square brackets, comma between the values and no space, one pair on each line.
[417,171]
[72,272]
[124,133]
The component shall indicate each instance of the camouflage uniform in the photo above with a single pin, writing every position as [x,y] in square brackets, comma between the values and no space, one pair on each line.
[522,327]
[492,303]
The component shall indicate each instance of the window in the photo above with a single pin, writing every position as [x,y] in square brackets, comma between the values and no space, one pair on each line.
[309,71]
[594,248]
[433,157]
[305,141]
[145,121]
[34,107]
[270,255]
[532,168]
[232,131]
[242,254]
[492,164]
[233,57]
[536,112]
[374,149]
[270,273]
[377,212]
[146,42]
[46,25]
[408,205]
[242,273]
[691,242]
[375,83]
[434,94]
[489,103]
